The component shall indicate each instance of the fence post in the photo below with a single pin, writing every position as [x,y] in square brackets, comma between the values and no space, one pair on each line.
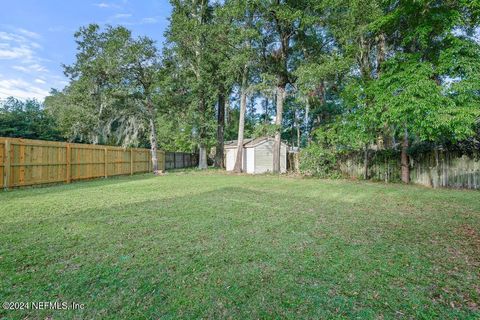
[106,162]
[164,161]
[69,166]
[6,168]
[131,161]
[148,161]
[174,161]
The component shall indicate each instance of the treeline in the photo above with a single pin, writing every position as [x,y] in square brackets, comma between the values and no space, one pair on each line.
[27,119]
[332,76]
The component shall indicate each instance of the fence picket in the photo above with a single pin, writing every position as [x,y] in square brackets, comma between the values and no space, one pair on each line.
[433,169]
[25,162]
[6,167]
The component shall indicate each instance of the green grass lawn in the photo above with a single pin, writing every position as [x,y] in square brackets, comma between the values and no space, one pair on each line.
[212,245]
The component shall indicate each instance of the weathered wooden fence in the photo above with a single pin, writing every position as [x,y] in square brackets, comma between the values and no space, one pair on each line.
[433,169]
[177,160]
[26,162]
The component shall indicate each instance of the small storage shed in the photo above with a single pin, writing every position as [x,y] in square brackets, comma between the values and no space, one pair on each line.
[257,155]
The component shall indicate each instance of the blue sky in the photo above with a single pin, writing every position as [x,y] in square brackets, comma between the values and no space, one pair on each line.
[36,37]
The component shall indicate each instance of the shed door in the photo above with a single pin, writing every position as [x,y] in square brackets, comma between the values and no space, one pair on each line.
[264,157]
[230,159]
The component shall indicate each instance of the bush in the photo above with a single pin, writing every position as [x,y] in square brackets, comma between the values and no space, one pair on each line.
[318,161]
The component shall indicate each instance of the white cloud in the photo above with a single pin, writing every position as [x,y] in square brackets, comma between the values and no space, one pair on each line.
[28,33]
[108,5]
[122,15]
[124,20]
[38,68]
[8,51]
[149,20]
[21,68]
[18,46]
[20,89]
[27,68]
[102,5]
[24,74]
[19,36]
[5,36]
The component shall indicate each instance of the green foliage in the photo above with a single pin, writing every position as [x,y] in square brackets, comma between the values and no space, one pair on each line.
[27,119]
[112,84]
[75,115]
[190,59]
[408,66]
[360,73]
[175,134]
[265,130]
[231,127]
[407,96]
[317,161]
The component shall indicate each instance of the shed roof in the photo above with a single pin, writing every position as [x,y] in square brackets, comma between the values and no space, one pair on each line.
[248,143]
[234,143]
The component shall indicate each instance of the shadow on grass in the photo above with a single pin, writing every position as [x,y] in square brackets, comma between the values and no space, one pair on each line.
[38,190]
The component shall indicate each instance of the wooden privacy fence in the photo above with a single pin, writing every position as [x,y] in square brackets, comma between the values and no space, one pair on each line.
[176,160]
[444,169]
[26,162]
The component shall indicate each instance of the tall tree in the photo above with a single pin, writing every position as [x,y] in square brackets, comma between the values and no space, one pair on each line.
[241,122]
[221,51]
[413,93]
[142,70]
[281,24]
[362,49]
[243,41]
[397,82]
[189,37]
[114,80]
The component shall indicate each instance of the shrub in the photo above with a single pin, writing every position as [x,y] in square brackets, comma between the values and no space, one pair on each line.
[318,161]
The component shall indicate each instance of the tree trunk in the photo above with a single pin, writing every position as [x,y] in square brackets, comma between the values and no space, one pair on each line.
[278,133]
[265,120]
[227,110]
[220,129]
[365,163]
[153,145]
[381,53]
[437,166]
[202,156]
[363,58]
[297,124]
[241,122]
[292,136]
[404,159]
[307,121]
[153,135]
